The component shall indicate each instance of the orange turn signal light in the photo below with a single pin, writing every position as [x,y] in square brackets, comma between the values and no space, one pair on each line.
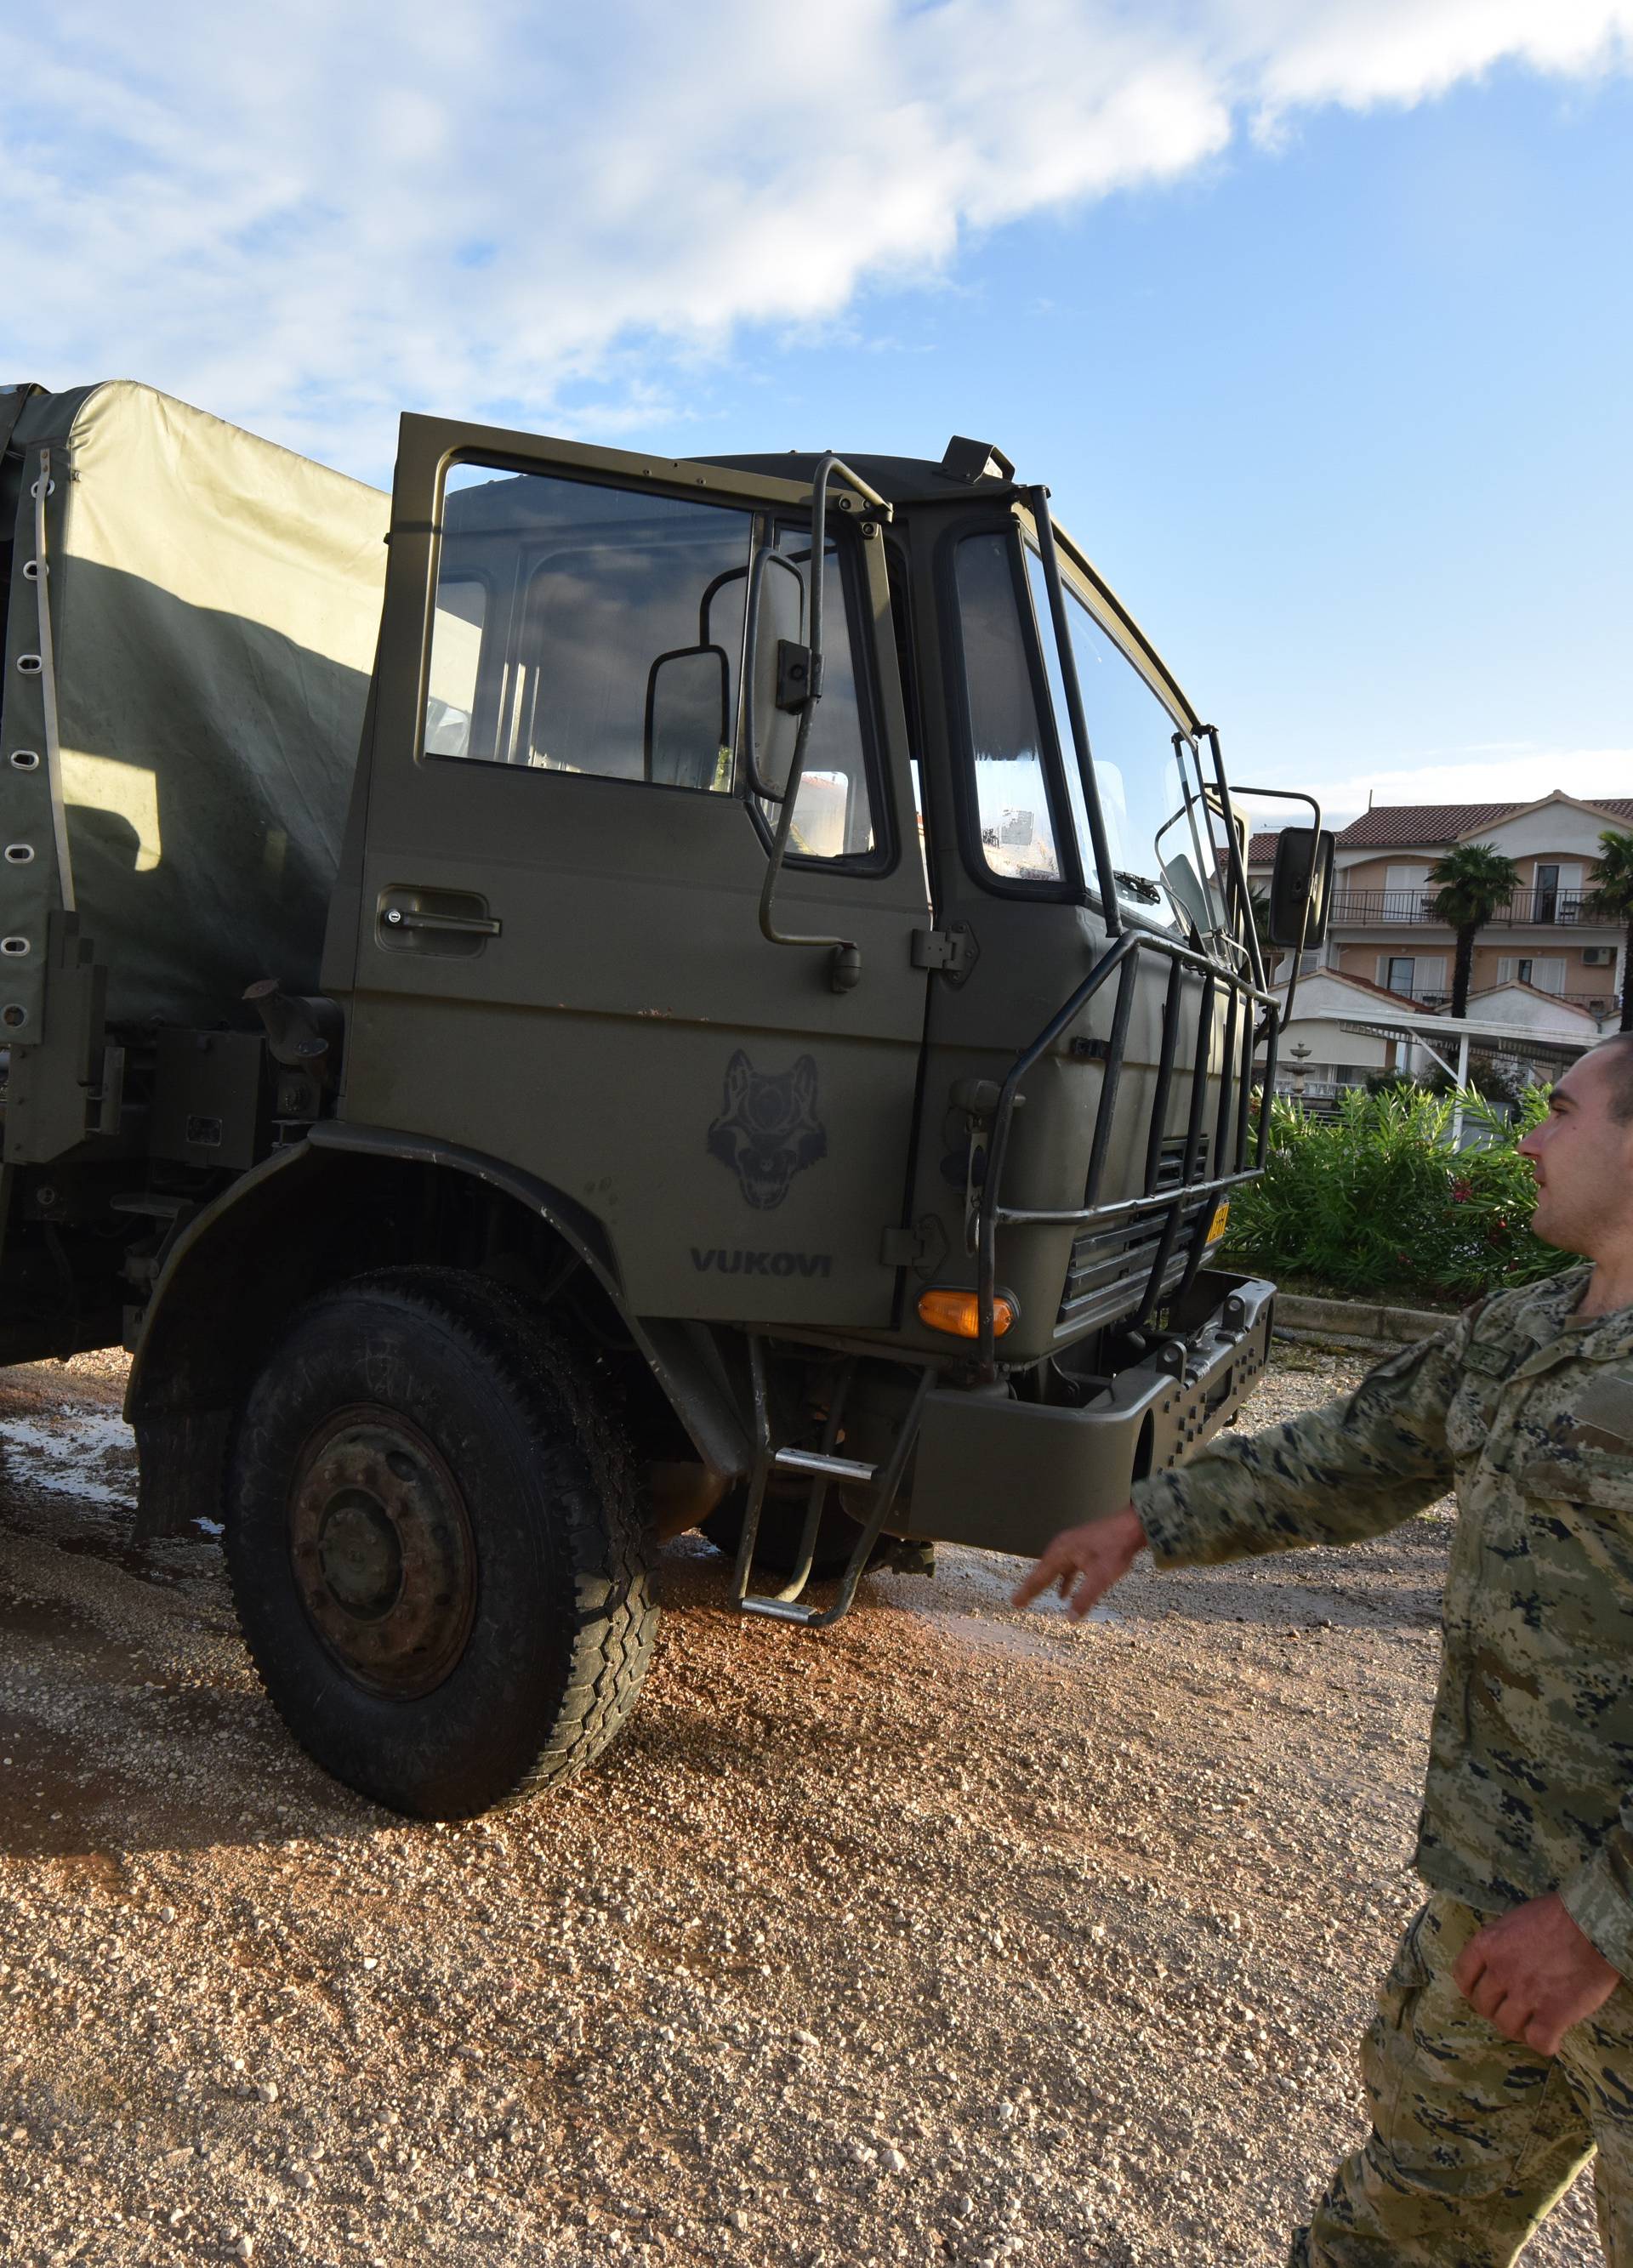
[960,1314]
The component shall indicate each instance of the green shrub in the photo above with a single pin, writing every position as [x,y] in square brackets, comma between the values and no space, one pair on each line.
[1377,1200]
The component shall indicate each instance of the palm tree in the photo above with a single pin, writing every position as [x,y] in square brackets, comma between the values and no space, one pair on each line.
[1610,898]
[1470,883]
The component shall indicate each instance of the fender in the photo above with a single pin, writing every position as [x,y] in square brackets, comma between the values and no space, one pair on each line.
[236,1272]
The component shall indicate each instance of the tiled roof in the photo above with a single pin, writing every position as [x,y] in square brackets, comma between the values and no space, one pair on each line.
[1261,849]
[1517,984]
[1427,825]
[1346,977]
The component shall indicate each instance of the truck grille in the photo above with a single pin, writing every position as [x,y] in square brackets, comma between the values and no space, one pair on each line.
[1109,1267]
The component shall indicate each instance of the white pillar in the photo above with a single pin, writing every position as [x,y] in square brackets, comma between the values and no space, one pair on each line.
[1462,1081]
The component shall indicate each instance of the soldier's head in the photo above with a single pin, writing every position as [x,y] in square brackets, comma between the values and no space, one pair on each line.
[1583,1154]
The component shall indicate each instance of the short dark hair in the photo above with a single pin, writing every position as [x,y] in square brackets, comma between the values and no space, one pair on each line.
[1618,1052]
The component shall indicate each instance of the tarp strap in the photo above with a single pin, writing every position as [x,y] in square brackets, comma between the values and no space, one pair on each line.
[48,687]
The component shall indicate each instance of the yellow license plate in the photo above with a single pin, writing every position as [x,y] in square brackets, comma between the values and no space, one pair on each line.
[1216,1226]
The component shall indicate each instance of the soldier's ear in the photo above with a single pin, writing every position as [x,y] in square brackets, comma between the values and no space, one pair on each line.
[805,1081]
[739,1071]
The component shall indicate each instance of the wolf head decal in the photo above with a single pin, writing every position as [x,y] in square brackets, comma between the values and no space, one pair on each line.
[768,1130]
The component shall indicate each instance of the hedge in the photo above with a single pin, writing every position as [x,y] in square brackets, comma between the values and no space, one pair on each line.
[1375,1200]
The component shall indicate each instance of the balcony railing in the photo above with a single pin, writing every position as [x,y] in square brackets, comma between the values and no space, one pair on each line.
[1524,910]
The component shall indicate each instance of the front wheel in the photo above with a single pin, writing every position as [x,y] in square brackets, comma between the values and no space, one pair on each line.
[433,1548]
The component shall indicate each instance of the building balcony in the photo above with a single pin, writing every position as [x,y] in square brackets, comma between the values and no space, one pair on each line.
[1526,909]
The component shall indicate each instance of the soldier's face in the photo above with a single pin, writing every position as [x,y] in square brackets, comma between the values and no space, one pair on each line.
[1583,1157]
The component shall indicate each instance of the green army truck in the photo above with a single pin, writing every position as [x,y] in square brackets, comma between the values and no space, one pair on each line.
[594,997]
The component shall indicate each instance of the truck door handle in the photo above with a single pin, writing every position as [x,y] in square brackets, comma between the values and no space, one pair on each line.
[465,924]
[410,920]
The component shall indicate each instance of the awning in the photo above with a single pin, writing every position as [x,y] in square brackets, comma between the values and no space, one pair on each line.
[1470,1031]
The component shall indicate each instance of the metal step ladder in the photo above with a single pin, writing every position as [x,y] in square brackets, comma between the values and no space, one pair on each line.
[823,1469]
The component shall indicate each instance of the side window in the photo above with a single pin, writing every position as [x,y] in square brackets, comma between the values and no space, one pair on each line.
[1014,810]
[833,811]
[587,629]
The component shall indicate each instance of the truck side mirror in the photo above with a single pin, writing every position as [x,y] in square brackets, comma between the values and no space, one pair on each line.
[687,723]
[778,630]
[1303,871]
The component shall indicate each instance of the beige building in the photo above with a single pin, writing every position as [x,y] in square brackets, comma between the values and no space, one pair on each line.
[1384,931]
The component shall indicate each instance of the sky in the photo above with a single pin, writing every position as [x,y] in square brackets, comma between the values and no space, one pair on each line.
[1315,315]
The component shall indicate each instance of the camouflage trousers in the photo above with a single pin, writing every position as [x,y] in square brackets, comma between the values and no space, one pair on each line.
[1474,2138]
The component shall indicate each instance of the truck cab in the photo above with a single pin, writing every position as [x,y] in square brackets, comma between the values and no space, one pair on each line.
[781,1045]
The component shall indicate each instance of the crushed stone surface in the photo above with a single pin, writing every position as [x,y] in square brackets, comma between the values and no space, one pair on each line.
[950,1935]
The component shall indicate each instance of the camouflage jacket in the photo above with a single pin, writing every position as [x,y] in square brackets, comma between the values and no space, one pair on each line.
[1528,1410]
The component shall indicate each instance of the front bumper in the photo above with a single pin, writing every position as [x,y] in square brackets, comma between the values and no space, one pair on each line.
[1008,1476]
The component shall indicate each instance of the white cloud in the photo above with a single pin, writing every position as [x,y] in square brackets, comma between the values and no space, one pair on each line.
[1359,52]
[1508,773]
[304,217]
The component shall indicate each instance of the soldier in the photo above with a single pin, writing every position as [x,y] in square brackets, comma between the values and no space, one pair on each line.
[1501,2056]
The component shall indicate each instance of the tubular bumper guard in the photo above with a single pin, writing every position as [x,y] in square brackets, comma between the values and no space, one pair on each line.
[1008,1476]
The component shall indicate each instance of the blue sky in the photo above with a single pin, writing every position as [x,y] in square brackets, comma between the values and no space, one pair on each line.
[1315,314]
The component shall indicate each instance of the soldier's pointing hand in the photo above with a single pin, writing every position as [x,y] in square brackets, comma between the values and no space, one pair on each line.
[1083,1563]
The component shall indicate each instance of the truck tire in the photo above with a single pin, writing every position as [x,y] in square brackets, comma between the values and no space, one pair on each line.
[433,1545]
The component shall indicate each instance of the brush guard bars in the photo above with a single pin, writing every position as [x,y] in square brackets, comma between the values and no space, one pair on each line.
[1231,1132]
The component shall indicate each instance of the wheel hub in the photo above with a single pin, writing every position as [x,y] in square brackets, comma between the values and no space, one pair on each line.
[382,1547]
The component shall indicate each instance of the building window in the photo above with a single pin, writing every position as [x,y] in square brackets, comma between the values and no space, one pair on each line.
[1405,893]
[1545,972]
[1558,895]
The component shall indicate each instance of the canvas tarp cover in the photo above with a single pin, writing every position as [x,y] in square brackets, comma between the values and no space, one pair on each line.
[215,602]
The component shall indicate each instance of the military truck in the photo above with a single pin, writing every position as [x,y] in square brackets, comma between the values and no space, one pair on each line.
[594,997]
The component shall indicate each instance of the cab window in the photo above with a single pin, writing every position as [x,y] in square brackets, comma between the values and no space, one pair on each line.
[586,629]
[1017,808]
[833,811]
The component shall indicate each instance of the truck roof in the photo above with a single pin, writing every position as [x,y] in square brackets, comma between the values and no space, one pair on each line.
[969,468]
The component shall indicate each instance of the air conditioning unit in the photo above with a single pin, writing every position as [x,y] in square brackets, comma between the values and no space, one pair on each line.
[1599,956]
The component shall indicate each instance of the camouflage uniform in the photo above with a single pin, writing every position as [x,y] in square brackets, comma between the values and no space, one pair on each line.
[1529,1410]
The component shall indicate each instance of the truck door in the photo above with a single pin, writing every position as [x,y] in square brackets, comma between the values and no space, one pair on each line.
[1017,874]
[560,962]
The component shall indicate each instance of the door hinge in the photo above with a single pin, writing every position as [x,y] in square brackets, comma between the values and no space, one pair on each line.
[923,1247]
[953,951]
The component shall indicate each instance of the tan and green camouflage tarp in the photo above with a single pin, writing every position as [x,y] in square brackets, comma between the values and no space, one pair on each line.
[215,602]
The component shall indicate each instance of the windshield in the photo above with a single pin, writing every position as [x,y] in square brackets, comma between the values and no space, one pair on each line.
[1026,807]
[1136,772]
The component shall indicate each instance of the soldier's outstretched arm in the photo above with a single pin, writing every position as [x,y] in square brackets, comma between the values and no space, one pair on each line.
[1336,1474]
[1083,1563]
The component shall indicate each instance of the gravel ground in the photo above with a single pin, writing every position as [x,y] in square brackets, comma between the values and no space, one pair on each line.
[950,1935]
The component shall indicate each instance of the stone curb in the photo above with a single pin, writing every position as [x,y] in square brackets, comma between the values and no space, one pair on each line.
[1368,1320]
